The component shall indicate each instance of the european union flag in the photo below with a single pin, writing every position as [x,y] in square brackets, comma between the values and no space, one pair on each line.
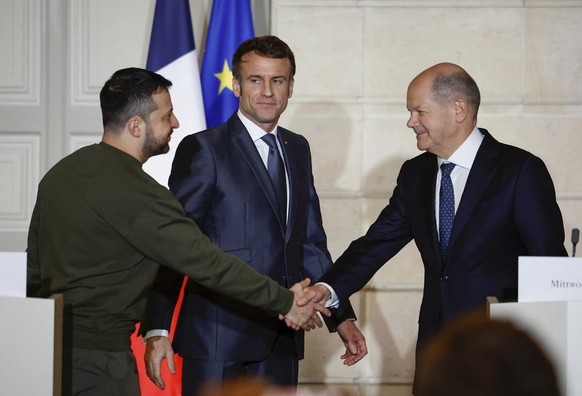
[231,23]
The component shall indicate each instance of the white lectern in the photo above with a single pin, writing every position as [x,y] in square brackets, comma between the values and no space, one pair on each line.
[31,334]
[551,311]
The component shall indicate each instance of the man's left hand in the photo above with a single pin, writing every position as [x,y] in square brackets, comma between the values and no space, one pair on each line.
[354,341]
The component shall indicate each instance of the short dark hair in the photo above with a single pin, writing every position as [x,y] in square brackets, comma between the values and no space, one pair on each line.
[445,86]
[478,356]
[267,46]
[129,93]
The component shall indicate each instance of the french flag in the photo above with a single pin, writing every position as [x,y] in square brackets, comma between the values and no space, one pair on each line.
[172,53]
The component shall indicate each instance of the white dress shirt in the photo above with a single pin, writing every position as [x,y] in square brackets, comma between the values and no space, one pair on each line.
[463,159]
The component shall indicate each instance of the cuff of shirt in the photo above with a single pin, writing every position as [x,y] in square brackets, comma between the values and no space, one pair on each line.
[154,333]
[333,302]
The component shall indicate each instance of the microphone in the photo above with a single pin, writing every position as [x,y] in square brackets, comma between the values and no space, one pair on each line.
[575,239]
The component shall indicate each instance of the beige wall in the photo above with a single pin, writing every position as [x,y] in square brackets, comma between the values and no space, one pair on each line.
[355,60]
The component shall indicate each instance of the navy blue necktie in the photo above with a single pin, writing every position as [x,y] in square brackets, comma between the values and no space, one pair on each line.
[446,207]
[276,171]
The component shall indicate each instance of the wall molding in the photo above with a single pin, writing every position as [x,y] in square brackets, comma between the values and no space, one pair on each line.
[82,92]
[19,169]
[79,140]
[20,85]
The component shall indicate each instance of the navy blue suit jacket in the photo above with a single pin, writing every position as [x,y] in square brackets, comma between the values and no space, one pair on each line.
[508,209]
[223,185]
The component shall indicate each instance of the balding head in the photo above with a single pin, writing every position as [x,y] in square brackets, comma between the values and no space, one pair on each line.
[443,102]
[450,82]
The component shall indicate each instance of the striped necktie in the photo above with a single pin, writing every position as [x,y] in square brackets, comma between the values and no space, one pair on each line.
[276,171]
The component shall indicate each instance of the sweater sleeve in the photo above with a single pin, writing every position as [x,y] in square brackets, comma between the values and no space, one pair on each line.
[164,234]
[32,259]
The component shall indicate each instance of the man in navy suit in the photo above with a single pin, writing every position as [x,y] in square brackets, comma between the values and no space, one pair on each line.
[221,178]
[503,202]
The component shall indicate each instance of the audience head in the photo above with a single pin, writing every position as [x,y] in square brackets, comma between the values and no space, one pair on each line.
[477,356]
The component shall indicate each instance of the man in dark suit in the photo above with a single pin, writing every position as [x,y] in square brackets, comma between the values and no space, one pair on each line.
[222,178]
[503,205]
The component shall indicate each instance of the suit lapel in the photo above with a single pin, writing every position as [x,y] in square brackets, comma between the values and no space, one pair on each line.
[482,171]
[289,159]
[426,195]
[248,150]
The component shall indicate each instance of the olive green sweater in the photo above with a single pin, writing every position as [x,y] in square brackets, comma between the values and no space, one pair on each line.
[100,229]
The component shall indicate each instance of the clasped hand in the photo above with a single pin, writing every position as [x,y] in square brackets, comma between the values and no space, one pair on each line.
[306,303]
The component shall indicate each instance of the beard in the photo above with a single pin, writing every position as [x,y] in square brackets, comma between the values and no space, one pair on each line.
[154,146]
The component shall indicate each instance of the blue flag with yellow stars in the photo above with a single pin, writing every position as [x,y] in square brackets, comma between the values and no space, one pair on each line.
[231,23]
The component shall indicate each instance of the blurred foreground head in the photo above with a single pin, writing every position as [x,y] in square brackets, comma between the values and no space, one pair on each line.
[477,356]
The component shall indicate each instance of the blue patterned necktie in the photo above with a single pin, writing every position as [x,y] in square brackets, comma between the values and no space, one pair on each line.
[446,207]
[276,171]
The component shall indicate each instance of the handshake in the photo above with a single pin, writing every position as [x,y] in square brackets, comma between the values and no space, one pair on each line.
[307,301]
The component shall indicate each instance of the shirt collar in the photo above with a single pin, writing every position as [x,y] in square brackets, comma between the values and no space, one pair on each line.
[466,153]
[255,131]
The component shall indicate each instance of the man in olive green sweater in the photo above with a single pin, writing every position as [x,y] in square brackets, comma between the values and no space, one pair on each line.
[101,227]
